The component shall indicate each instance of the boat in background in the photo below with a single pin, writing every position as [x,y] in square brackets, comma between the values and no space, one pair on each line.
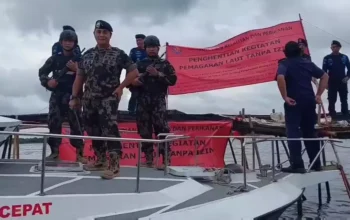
[7,124]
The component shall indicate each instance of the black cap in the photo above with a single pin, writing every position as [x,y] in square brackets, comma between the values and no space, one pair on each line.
[100,24]
[68,27]
[337,43]
[142,36]
[302,41]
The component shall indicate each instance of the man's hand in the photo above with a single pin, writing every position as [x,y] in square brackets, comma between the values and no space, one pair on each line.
[136,82]
[118,92]
[72,66]
[346,79]
[74,104]
[152,71]
[52,83]
[290,101]
[318,99]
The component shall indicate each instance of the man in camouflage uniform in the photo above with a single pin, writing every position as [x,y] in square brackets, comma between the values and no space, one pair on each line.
[156,75]
[64,68]
[100,70]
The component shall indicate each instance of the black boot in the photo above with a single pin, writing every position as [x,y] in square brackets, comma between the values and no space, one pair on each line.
[316,166]
[295,168]
[149,160]
[80,156]
[162,166]
[55,154]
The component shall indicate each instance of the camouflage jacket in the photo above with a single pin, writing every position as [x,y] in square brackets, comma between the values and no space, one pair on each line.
[154,85]
[102,69]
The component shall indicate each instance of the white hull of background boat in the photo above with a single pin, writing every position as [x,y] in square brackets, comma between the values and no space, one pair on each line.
[8,124]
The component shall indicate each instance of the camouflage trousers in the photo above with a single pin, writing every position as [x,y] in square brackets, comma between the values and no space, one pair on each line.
[151,114]
[100,119]
[58,111]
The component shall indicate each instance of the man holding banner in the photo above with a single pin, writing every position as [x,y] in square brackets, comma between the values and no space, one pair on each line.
[303,46]
[294,82]
[156,75]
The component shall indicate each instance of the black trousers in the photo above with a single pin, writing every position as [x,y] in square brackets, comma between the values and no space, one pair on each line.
[300,122]
[335,87]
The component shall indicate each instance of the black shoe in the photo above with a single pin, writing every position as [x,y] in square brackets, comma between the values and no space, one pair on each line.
[332,114]
[53,156]
[316,168]
[293,170]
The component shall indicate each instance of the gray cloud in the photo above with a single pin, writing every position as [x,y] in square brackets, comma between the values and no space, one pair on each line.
[37,15]
[21,83]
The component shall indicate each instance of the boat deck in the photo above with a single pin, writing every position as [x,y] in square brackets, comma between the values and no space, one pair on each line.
[20,178]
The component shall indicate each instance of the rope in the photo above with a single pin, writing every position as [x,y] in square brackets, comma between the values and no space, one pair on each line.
[326,32]
[222,177]
[340,146]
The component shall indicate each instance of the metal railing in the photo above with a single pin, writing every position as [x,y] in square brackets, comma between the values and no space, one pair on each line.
[30,126]
[264,138]
[46,136]
[169,137]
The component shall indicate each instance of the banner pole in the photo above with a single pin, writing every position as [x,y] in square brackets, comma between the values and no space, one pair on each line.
[303,30]
[313,79]
[167,94]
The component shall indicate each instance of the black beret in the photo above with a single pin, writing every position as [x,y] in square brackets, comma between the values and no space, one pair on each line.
[335,42]
[302,41]
[142,36]
[100,24]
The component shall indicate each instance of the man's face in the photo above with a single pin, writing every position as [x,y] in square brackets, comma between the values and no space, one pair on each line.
[302,46]
[102,36]
[335,48]
[68,45]
[152,50]
[139,42]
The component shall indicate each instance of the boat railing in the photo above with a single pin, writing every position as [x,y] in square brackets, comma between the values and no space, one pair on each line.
[169,138]
[265,138]
[30,126]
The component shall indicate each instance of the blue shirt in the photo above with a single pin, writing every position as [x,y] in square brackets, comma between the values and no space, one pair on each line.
[137,54]
[298,73]
[335,65]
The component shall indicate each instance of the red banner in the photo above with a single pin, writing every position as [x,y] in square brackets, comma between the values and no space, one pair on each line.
[210,152]
[249,58]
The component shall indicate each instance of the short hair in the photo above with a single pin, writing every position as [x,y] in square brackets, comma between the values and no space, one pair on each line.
[292,49]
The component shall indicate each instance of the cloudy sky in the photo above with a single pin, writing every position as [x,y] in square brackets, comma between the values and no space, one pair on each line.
[29,28]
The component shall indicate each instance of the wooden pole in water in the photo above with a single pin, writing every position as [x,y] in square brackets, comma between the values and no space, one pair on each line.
[15,150]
